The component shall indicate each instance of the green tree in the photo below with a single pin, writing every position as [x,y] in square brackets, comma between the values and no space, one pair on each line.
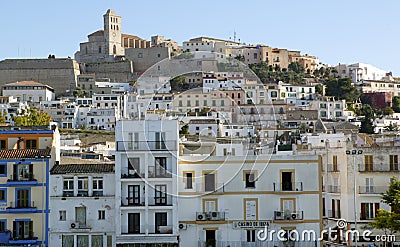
[296,67]
[240,58]
[366,122]
[387,111]
[319,88]
[184,130]
[342,89]
[396,104]
[32,118]
[389,220]
[3,119]
[80,93]
[177,83]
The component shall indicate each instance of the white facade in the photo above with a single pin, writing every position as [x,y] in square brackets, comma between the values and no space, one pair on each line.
[146,182]
[226,200]
[237,131]
[329,108]
[360,71]
[29,91]
[204,127]
[82,207]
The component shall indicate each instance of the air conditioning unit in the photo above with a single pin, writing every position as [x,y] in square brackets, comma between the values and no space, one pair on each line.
[279,215]
[293,216]
[165,229]
[201,217]
[75,225]
[182,226]
[214,215]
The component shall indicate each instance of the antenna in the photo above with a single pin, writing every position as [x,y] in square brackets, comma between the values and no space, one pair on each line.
[234,36]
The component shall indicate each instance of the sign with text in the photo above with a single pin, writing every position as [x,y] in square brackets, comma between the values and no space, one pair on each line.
[250,224]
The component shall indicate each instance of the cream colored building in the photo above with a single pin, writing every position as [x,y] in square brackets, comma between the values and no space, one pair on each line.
[228,200]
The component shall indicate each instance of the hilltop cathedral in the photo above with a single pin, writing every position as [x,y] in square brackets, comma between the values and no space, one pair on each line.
[110,43]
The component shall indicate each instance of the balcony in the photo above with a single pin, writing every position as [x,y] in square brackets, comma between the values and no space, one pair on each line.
[133,202]
[333,188]
[146,146]
[288,215]
[133,175]
[21,207]
[159,172]
[210,216]
[23,240]
[26,180]
[165,200]
[334,214]
[372,189]
[5,237]
[150,229]
[289,186]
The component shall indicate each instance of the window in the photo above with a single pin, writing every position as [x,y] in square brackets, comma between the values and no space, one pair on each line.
[68,187]
[250,209]
[188,103]
[394,163]
[3,144]
[369,163]
[3,169]
[80,215]
[97,187]
[23,198]
[63,215]
[287,179]
[23,172]
[133,167]
[3,225]
[274,94]
[214,103]
[369,185]
[133,222]
[335,166]
[133,195]
[209,182]
[97,240]
[205,102]
[31,144]
[222,103]
[369,210]
[83,187]
[160,194]
[160,220]
[83,240]
[23,229]
[251,235]
[101,214]
[160,166]
[188,179]
[3,195]
[250,179]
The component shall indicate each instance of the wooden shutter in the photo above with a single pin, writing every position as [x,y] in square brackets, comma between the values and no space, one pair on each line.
[333,208]
[31,229]
[338,208]
[363,211]
[376,208]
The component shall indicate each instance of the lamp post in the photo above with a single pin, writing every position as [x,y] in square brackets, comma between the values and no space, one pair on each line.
[353,153]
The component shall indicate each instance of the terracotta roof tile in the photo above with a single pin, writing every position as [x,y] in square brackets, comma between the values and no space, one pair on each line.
[23,153]
[82,168]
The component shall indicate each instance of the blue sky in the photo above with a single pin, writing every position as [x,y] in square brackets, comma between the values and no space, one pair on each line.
[335,31]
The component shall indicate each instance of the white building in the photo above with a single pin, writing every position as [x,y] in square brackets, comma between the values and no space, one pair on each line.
[360,71]
[82,205]
[204,127]
[329,108]
[146,182]
[226,201]
[29,91]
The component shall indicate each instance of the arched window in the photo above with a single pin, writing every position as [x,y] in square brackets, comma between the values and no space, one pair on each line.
[115,49]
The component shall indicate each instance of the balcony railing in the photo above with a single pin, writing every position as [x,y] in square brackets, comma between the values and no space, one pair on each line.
[21,207]
[210,216]
[334,214]
[333,188]
[289,186]
[372,189]
[288,215]
[146,145]
[165,200]
[133,174]
[133,202]
[26,177]
[159,172]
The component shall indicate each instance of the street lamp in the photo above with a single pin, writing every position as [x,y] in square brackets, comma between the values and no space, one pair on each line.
[355,152]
